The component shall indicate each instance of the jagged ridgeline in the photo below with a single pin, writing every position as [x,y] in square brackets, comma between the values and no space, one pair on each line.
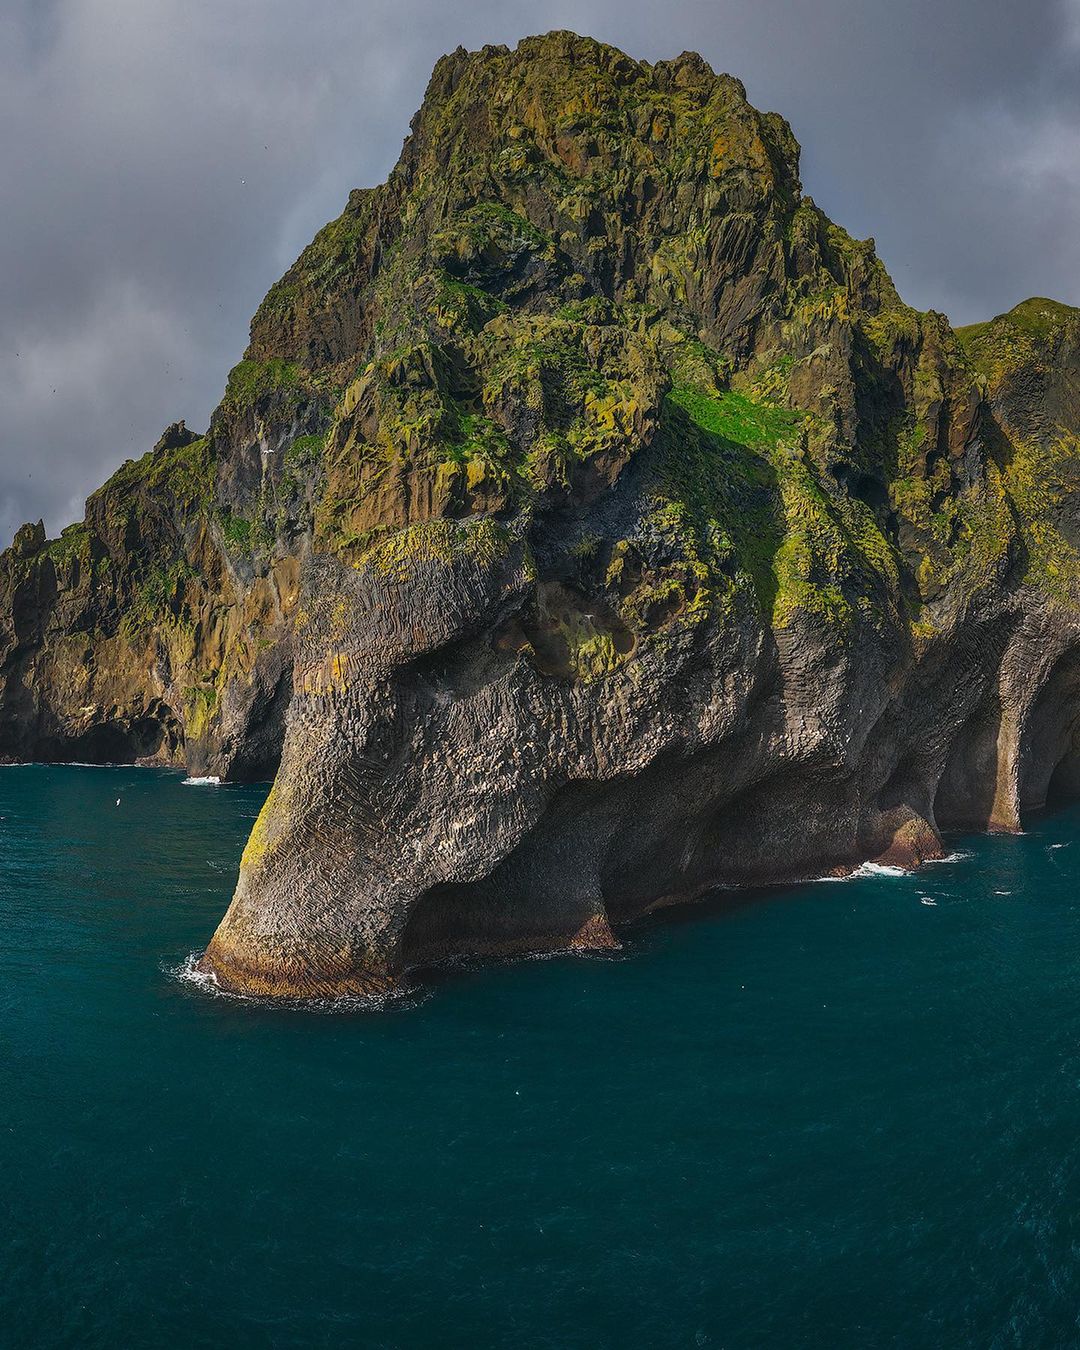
[589,523]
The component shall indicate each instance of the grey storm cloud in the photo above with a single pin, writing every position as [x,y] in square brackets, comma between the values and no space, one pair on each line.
[163,161]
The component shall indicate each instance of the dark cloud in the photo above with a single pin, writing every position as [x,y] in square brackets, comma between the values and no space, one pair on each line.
[164,160]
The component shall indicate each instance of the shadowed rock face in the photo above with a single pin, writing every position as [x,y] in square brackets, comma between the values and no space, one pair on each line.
[608,527]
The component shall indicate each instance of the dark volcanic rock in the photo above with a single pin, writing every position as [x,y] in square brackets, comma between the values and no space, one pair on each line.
[606,524]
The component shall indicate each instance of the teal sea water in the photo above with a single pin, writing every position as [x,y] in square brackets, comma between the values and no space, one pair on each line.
[845,1114]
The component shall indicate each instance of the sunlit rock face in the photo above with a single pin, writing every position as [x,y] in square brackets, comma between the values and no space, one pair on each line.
[588,525]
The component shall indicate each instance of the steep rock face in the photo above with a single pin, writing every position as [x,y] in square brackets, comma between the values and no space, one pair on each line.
[610,528]
[134,633]
[159,629]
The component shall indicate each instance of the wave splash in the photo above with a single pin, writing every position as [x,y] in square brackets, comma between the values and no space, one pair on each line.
[206,982]
[873,869]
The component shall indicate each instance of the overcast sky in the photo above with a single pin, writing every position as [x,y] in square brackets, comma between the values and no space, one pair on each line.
[163,161]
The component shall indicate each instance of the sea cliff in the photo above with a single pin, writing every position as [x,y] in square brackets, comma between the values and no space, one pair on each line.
[589,524]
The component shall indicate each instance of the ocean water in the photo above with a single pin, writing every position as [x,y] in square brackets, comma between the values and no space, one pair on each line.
[844,1114]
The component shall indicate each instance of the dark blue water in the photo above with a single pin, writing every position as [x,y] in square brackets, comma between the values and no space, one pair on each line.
[836,1116]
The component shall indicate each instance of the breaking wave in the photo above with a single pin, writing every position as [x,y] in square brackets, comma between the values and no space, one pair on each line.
[872,869]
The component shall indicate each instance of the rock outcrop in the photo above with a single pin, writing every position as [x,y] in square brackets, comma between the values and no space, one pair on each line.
[609,529]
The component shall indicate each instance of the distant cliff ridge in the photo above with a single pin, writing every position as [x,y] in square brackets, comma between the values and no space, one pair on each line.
[588,524]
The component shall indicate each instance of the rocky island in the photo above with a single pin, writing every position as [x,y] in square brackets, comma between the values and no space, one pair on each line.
[588,525]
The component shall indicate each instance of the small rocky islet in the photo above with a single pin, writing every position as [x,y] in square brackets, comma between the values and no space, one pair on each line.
[588,525]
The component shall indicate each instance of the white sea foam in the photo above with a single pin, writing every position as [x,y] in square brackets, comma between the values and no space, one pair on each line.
[206,982]
[212,781]
[925,900]
[872,869]
[188,970]
[864,870]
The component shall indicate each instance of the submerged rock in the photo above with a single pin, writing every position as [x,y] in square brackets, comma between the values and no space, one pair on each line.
[609,529]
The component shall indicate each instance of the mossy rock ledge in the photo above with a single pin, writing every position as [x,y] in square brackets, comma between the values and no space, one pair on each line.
[589,524]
